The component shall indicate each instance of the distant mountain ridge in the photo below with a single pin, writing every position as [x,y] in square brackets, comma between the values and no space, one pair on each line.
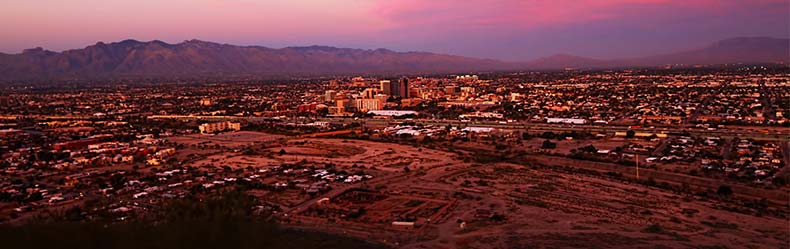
[195,58]
[131,58]
[744,50]
[559,61]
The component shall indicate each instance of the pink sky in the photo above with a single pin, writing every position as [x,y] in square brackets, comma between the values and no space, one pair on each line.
[507,29]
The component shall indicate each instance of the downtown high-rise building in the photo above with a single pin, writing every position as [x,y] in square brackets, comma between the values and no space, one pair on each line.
[386,87]
[397,89]
[330,95]
[403,88]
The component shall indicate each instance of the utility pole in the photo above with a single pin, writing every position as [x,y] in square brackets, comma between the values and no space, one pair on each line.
[637,166]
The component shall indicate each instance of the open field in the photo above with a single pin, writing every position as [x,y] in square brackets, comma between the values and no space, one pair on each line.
[541,202]
[440,195]
[551,208]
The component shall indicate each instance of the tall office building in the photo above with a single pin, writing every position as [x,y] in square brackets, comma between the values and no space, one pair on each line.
[382,98]
[359,81]
[345,104]
[368,93]
[451,90]
[386,87]
[330,95]
[397,89]
[403,88]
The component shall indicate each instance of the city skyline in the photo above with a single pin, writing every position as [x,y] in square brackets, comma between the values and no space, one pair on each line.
[505,30]
[335,124]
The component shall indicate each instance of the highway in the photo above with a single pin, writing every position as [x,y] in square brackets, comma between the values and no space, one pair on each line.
[760,133]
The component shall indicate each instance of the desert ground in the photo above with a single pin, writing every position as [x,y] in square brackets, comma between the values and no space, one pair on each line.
[457,203]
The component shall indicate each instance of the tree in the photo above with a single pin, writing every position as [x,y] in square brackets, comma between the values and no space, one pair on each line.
[630,134]
[497,218]
[650,181]
[117,181]
[653,228]
[356,213]
[724,190]
[779,181]
[547,144]
[589,148]
[548,135]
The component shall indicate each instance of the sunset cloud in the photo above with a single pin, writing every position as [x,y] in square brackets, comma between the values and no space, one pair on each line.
[509,29]
[527,14]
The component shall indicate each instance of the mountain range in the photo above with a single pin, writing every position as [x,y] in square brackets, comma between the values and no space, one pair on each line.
[745,50]
[131,58]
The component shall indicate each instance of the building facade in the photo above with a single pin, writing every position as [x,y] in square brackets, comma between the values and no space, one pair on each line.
[386,87]
[208,128]
[365,105]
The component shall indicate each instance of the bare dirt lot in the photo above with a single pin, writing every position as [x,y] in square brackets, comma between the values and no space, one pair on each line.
[519,206]
[463,204]
[385,157]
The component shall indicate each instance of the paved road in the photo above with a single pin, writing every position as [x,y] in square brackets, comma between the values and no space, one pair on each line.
[761,133]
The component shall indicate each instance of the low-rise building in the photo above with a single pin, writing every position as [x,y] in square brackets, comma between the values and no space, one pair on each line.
[220,126]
